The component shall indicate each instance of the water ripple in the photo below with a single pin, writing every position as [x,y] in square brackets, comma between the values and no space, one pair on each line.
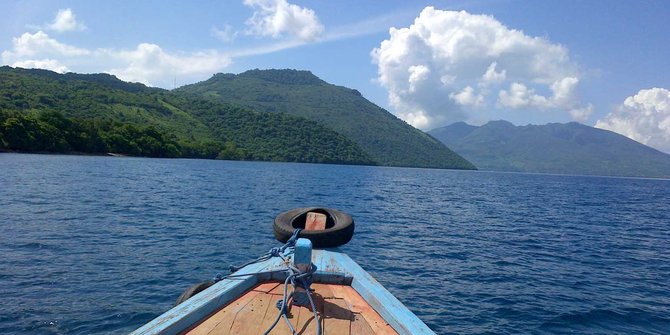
[103,245]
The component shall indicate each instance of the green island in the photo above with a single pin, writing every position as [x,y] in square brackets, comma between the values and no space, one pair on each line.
[43,111]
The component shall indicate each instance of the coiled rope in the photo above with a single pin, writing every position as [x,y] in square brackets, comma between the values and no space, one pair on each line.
[296,278]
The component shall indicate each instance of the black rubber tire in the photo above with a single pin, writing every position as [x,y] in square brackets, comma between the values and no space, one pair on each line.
[339,227]
[193,290]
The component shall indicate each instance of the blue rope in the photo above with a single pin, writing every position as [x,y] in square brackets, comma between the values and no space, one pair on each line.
[273,252]
[295,277]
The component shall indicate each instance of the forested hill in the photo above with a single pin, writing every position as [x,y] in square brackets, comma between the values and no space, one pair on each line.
[387,139]
[48,112]
[570,148]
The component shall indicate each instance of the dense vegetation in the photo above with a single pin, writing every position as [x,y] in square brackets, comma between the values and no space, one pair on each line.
[570,148]
[52,132]
[44,111]
[275,137]
[385,138]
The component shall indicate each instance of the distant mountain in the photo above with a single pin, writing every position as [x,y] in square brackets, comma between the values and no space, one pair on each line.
[42,110]
[570,148]
[384,137]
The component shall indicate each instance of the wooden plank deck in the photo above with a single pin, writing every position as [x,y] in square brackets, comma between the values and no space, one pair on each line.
[342,311]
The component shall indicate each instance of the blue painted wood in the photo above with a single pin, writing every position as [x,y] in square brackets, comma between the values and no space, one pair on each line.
[302,256]
[318,260]
[381,300]
[191,311]
[276,270]
[328,271]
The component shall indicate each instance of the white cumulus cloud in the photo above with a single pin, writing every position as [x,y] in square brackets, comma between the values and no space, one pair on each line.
[644,117]
[47,64]
[277,18]
[147,63]
[65,20]
[417,74]
[519,95]
[472,61]
[39,43]
[467,97]
[493,77]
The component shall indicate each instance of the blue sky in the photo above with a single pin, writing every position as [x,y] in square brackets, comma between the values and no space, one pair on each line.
[602,63]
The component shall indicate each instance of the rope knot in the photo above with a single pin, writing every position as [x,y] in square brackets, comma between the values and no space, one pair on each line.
[275,252]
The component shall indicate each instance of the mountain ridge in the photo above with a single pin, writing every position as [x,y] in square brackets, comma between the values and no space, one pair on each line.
[387,139]
[562,148]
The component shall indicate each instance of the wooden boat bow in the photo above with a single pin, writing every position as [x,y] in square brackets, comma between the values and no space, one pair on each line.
[358,303]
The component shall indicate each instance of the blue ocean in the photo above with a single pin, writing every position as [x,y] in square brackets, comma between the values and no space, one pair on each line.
[98,245]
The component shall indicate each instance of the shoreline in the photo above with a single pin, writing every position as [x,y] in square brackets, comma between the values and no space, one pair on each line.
[110,154]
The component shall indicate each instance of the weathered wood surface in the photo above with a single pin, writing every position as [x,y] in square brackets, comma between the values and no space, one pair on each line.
[341,311]
[315,221]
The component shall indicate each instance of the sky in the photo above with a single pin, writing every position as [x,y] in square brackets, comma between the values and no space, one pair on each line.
[601,63]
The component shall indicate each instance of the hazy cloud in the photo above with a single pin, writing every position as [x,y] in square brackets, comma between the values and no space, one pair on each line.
[467,62]
[277,18]
[227,34]
[644,117]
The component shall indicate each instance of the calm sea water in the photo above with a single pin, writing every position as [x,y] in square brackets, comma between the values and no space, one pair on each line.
[102,245]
